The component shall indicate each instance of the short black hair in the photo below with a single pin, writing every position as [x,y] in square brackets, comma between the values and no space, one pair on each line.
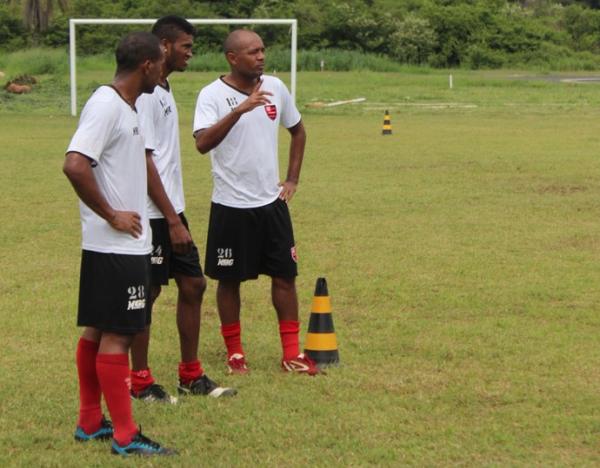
[135,48]
[171,26]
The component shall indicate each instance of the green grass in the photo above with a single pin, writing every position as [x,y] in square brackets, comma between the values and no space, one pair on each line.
[462,255]
[34,62]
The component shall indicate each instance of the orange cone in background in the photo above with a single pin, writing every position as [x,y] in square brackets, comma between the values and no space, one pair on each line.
[321,344]
[387,124]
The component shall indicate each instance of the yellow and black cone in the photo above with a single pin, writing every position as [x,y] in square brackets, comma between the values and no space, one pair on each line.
[387,124]
[321,344]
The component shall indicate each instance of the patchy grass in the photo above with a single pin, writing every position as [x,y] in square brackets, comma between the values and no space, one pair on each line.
[462,255]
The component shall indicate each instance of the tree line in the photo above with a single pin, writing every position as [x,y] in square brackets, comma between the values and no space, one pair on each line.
[438,33]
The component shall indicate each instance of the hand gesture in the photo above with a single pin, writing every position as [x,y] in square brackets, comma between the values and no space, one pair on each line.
[288,189]
[256,98]
[127,221]
[181,240]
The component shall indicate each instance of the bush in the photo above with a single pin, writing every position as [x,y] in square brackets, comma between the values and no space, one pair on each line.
[12,32]
[278,58]
[344,60]
[481,56]
[413,41]
[37,61]
[555,57]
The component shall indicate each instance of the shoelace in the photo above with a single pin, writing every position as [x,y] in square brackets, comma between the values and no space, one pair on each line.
[142,439]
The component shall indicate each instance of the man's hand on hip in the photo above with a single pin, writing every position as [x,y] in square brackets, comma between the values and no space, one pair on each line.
[127,221]
[288,189]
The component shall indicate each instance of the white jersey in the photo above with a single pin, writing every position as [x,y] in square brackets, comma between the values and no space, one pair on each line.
[160,128]
[245,166]
[108,133]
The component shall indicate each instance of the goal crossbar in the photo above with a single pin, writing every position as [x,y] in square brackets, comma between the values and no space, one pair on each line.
[73,22]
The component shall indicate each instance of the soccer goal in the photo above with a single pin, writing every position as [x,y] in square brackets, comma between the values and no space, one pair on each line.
[73,22]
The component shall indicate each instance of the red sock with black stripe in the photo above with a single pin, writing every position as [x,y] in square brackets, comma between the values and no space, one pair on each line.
[90,395]
[288,332]
[190,371]
[113,375]
[232,334]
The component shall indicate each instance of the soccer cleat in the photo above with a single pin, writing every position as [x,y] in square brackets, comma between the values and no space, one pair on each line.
[104,433]
[152,393]
[140,445]
[236,364]
[204,386]
[301,364]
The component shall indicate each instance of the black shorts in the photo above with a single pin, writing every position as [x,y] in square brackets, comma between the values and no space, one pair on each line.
[113,292]
[165,262]
[245,242]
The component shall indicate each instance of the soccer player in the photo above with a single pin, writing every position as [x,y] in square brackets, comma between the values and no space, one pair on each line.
[106,164]
[250,230]
[174,253]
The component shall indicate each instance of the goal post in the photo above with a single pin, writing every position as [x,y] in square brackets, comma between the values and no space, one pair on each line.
[73,22]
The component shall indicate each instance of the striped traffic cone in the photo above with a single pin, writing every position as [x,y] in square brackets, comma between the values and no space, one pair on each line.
[321,344]
[387,124]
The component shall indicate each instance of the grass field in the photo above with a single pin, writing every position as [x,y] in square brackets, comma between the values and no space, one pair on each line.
[462,255]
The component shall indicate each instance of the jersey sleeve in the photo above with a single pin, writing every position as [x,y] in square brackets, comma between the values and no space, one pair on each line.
[290,115]
[95,128]
[146,108]
[206,114]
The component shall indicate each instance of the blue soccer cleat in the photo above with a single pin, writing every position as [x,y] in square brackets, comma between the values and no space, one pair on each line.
[104,433]
[141,445]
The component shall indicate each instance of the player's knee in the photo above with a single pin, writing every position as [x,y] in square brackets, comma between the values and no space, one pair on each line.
[91,334]
[192,288]
[115,343]
[284,284]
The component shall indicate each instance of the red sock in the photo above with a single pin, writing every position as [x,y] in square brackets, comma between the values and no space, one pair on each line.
[288,332]
[141,379]
[90,411]
[190,371]
[232,334]
[113,374]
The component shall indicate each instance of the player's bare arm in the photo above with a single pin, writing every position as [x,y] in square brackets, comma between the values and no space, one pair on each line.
[297,144]
[209,138]
[180,236]
[78,170]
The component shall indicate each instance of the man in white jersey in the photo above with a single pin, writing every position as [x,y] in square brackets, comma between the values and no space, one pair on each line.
[106,164]
[174,254]
[250,231]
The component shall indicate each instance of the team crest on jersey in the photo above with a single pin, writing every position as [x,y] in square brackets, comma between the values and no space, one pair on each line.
[294,254]
[271,110]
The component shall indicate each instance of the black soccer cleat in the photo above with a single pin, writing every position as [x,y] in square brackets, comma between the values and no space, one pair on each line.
[204,386]
[153,393]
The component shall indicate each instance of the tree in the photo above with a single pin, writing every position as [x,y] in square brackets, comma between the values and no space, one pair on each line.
[413,41]
[37,13]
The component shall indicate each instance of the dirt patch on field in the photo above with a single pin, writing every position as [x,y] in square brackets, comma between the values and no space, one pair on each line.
[556,189]
[21,84]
